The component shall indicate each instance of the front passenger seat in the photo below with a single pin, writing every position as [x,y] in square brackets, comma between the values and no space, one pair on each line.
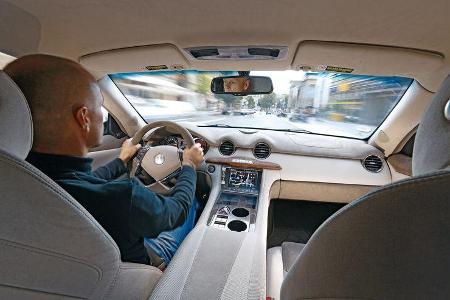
[393,243]
[50,246]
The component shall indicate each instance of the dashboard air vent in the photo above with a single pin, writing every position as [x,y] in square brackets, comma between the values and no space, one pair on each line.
[226,148]
[372,163]
[261,150]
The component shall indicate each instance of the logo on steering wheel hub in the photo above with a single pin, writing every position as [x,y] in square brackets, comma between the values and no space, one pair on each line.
[159,159]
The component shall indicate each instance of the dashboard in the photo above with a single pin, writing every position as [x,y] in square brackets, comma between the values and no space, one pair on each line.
[320,168]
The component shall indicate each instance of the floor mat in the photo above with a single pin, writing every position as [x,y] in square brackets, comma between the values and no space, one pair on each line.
[296,221]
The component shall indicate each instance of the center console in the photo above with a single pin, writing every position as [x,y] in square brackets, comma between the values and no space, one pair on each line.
[215,261]
[235,208]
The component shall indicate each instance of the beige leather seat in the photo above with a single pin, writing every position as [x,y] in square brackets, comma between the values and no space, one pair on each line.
[279,261]
[50,246]
[393,243]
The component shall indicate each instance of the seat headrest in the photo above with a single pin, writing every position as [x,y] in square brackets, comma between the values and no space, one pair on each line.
[432,144]
[16,125]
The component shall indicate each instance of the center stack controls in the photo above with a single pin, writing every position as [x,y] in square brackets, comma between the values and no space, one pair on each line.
[236,206]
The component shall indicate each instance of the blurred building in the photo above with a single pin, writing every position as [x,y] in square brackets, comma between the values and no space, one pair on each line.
[165,87]
[346,97]
[313,91]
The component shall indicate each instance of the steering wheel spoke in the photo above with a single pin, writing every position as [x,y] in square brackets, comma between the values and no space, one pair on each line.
[166,184]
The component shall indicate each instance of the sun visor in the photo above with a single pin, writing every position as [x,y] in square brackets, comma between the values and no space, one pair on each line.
[428,68]
[135,59]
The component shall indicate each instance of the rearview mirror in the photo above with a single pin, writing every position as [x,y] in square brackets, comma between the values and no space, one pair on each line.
[242,85]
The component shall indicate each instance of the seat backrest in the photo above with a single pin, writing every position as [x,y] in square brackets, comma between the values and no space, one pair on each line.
[432,145]
[51,247]
[393,243]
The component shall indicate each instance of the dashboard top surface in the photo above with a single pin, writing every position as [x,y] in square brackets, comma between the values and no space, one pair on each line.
[279,142]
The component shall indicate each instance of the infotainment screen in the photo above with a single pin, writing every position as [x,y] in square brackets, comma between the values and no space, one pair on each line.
[240,180]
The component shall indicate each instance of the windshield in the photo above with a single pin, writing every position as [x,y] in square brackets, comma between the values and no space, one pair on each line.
[323,103]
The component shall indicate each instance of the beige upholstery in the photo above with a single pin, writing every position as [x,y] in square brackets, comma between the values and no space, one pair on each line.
[392,243]
[289,253]
[274,272]
[16,127]
[432,146]
[51,247]
[279,261]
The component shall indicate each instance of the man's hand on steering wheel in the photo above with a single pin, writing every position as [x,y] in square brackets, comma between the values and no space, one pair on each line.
[128,150]
[193,156]
[158,166]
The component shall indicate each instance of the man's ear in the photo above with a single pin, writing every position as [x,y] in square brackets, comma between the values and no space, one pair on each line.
[82,117]
[247,84]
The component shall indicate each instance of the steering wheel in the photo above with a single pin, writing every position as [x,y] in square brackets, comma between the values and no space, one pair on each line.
[158,166]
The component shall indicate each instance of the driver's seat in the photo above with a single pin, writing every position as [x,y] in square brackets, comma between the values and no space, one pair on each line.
[50,246]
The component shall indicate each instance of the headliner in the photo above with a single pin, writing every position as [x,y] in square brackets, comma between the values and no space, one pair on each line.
[76,28]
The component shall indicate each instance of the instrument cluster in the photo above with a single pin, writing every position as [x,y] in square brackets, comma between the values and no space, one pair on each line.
[177,141]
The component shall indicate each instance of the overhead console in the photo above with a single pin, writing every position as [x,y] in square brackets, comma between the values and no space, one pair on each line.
[236,206]
[237,52]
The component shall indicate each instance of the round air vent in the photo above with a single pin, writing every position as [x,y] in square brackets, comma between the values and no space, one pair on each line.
[372,163]
[261,150]
[226,148]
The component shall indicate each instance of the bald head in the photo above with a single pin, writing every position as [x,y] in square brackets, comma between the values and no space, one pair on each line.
[64,100]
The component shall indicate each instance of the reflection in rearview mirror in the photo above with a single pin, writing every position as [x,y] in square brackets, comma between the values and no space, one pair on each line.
[236,84]
[242,85]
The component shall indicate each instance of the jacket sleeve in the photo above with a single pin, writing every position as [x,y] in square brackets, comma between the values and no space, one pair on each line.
[111,170]
[152,214]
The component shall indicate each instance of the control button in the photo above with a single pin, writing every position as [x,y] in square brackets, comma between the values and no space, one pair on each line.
[224,211]
[211,168]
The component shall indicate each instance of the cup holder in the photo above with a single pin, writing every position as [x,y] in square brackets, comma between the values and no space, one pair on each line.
[237,225]
[240,212]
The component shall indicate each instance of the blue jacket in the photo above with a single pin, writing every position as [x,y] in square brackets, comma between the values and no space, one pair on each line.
[125,208]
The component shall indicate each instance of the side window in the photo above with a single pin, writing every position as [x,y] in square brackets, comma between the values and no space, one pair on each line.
[105,115]
[409,146]
[111,127]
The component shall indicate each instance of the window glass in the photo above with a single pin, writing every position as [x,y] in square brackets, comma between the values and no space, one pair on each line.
[324,103]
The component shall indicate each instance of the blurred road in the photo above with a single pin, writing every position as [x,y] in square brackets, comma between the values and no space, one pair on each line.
[315,125]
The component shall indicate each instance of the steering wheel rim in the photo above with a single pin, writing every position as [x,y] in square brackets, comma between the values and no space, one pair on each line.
[170,125]
[163,162]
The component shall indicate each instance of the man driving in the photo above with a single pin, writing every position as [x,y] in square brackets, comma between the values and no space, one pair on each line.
[236,84]
[65,102]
